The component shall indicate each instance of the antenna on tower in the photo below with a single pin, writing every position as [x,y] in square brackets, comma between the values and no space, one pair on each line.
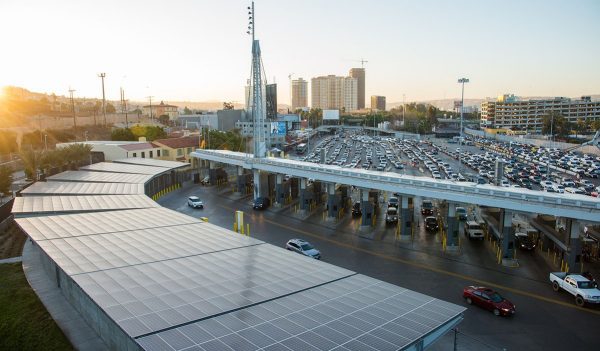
[362,62]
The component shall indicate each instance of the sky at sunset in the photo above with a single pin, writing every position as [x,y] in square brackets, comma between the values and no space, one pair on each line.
[198,49]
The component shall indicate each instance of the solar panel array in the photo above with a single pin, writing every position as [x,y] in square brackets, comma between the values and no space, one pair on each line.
[172,282]
[99,177]
[76,188]
[36,205]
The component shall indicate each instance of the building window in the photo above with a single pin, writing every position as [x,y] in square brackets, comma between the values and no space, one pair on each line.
[189,149]
[151,152]
[166,153]
[157,153]
[179,152]
[134,154]
[143,154]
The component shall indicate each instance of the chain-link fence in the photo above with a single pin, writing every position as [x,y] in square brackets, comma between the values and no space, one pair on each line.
[456,340]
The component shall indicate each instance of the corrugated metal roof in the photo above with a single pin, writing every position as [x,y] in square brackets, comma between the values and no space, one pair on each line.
[80,188]
[44,205]
[124,168]
[100,177]
[152,162]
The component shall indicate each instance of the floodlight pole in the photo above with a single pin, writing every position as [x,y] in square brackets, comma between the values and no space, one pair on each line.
[462,110]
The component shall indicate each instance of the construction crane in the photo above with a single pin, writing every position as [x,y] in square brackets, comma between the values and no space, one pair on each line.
[362,62]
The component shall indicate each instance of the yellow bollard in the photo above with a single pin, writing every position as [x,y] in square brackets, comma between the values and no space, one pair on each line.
[235,227]
[248,229]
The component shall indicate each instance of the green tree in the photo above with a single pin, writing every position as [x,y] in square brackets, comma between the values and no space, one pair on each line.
[122,134]
[187,111]
[31,162]
[6,178]
[110,108]
[164,119]
[556,124]
[153,133]
[8,142]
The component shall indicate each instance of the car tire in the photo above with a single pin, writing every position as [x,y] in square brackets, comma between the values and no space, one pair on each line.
[201,207]
[555,286]
[469,301]
[579,301]
[496,312]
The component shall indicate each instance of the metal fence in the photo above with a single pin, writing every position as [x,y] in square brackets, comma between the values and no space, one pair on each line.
[590,149]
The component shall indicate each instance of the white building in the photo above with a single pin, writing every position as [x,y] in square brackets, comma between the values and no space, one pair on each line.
[509,111]
[115,150]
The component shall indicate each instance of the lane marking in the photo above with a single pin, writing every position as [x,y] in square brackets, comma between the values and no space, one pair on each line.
[430,268]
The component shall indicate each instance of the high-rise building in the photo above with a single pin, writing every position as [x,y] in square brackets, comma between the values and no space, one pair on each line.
[299,94]
[377,102]
[508,111]
[271,101]
[334,92]
[359,73]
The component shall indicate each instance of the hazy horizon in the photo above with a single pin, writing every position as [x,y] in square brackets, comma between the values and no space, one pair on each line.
[198,50]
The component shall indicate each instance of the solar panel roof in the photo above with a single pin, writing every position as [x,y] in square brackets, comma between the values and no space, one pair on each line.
[79,188]
[91,223]
[152,162]
[100,177]
[36,205]
[124,168]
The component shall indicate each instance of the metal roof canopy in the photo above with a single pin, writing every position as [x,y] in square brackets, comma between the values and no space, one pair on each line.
[516,199]
[125,168]
[79,188]
[152,162]
[100,177]
[92,223]
[47,205]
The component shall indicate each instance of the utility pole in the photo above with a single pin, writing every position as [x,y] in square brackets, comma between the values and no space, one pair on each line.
[102,75]
[124,107]
[151,118]
[73,108]
[403,110]
[462,110]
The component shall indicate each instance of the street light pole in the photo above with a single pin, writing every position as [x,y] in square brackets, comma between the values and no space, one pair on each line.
[462,110]
[102,75]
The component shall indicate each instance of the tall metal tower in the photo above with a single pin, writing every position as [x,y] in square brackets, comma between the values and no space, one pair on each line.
[102,76]
[257,90]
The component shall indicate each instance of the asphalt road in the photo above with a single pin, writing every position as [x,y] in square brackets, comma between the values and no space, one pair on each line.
[544,320]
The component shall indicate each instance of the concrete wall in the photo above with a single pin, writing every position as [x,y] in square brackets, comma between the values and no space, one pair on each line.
[590,149]
[114,337]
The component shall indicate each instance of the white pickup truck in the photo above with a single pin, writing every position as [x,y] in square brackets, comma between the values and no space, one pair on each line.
[584,290]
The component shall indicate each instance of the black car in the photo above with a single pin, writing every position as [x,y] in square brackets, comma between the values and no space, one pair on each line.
[427,208]
[261,203]
[524,242]
[431,224]
[356,211]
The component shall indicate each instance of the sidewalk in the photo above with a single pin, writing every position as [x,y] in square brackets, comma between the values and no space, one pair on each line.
[79,333]
[12,259]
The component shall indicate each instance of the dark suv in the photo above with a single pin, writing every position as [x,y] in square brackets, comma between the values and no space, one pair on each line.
[356,211]
[427,208]
[261,203]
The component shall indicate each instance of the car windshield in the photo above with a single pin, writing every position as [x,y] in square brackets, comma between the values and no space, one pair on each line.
[306,247]
[585,285]
[495,297]
[427,205]
[430,220]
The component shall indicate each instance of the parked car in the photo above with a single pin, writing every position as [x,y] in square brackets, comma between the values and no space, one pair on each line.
[473,230]
[393,202]
[489,300]
[584,290]
[461,213]
[195,202]
[261,203]
[303,247]
[427,208]
[431,224]
[356,211]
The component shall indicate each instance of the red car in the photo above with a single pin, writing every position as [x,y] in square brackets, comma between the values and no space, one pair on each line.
[488,299]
